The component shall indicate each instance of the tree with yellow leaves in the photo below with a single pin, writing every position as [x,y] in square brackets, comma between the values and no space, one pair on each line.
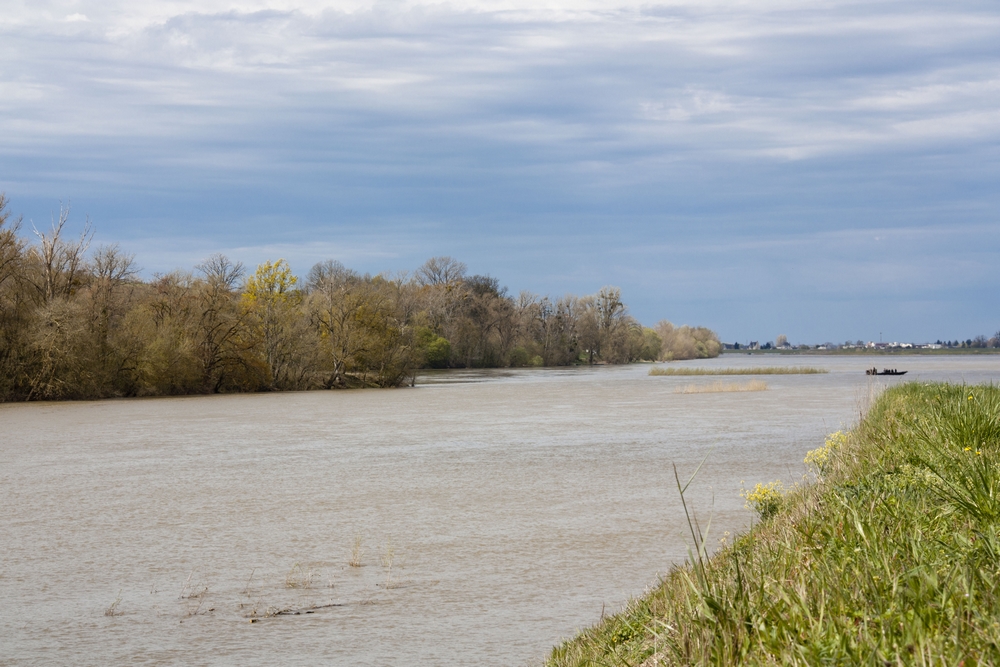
[273,303]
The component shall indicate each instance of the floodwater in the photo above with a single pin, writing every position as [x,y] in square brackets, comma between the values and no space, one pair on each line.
[497,512]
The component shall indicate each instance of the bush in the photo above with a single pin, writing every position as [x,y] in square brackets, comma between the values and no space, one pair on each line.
[437,350]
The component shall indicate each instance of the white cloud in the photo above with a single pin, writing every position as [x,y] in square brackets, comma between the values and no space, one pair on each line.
[705,118]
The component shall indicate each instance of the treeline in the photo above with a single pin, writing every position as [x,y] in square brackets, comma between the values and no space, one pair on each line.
[76,323]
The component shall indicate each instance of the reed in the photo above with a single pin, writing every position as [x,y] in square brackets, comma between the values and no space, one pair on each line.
[357,551]
[721,387]
[300,576]
[891,557]
[112,609]
[760,370]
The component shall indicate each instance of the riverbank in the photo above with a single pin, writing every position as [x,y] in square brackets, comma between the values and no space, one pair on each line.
[892,555]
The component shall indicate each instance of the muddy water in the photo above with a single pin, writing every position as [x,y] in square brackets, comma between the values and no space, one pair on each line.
[497,512]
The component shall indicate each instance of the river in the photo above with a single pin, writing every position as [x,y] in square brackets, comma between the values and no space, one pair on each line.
[496,512]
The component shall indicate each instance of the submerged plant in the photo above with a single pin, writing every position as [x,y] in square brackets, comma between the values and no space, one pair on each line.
[299,576]
[112,609]
[357,551]
[722,387]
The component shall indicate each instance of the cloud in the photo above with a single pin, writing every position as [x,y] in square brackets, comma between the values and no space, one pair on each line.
[260,126]
[770,79]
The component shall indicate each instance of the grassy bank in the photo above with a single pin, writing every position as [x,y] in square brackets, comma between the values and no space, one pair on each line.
[891,557]
[762,370]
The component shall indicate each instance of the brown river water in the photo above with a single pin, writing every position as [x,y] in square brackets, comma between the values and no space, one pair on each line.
[497,512]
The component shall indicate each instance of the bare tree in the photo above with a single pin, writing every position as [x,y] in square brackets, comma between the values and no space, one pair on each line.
[11,246]
[336,296]
[440,271]
[220,322]
[111,295]
[221,271]
[61,260]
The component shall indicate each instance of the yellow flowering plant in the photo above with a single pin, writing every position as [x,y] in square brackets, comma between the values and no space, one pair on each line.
[764,499]
[818,459]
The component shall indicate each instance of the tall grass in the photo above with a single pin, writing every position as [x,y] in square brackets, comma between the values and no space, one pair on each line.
[722,387]
[761,370]
[892,557]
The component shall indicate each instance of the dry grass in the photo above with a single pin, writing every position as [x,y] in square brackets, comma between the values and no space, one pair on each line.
[388,557]
[761,370]
[192,591]
[113,609]
[357,551]
[300,576]
[720,387]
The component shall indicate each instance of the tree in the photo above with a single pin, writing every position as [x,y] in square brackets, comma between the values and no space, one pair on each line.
[687,342]
[603,324]
[436,350]
[11,246]
[15,309]
[652,345]
[219,329]
[60,260]
[781,341]
[440,271]
[74,325]
[336,297]
[271,299]
[109,297]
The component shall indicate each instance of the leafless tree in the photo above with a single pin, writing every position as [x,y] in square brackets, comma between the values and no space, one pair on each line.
[11,245]
[61,260]
[221,271]
[440,271]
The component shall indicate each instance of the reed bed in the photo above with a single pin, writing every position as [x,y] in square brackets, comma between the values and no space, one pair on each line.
[722,387]
[892,556]
[761,370]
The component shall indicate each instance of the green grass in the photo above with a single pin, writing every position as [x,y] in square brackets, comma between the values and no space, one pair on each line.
[761,370]
[891,558]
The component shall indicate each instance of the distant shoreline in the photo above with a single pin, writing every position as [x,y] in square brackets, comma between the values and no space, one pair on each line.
[873,352]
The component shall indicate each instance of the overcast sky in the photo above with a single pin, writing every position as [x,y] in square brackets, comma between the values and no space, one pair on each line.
[826,170]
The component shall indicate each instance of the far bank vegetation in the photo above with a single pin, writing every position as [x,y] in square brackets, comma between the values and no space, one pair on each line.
[79,322]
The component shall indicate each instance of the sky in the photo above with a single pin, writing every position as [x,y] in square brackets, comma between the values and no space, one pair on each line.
[825,170]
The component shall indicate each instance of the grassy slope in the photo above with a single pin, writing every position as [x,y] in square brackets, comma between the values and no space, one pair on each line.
[893,557]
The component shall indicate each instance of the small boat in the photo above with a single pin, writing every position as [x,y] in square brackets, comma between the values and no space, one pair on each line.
[884,371]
